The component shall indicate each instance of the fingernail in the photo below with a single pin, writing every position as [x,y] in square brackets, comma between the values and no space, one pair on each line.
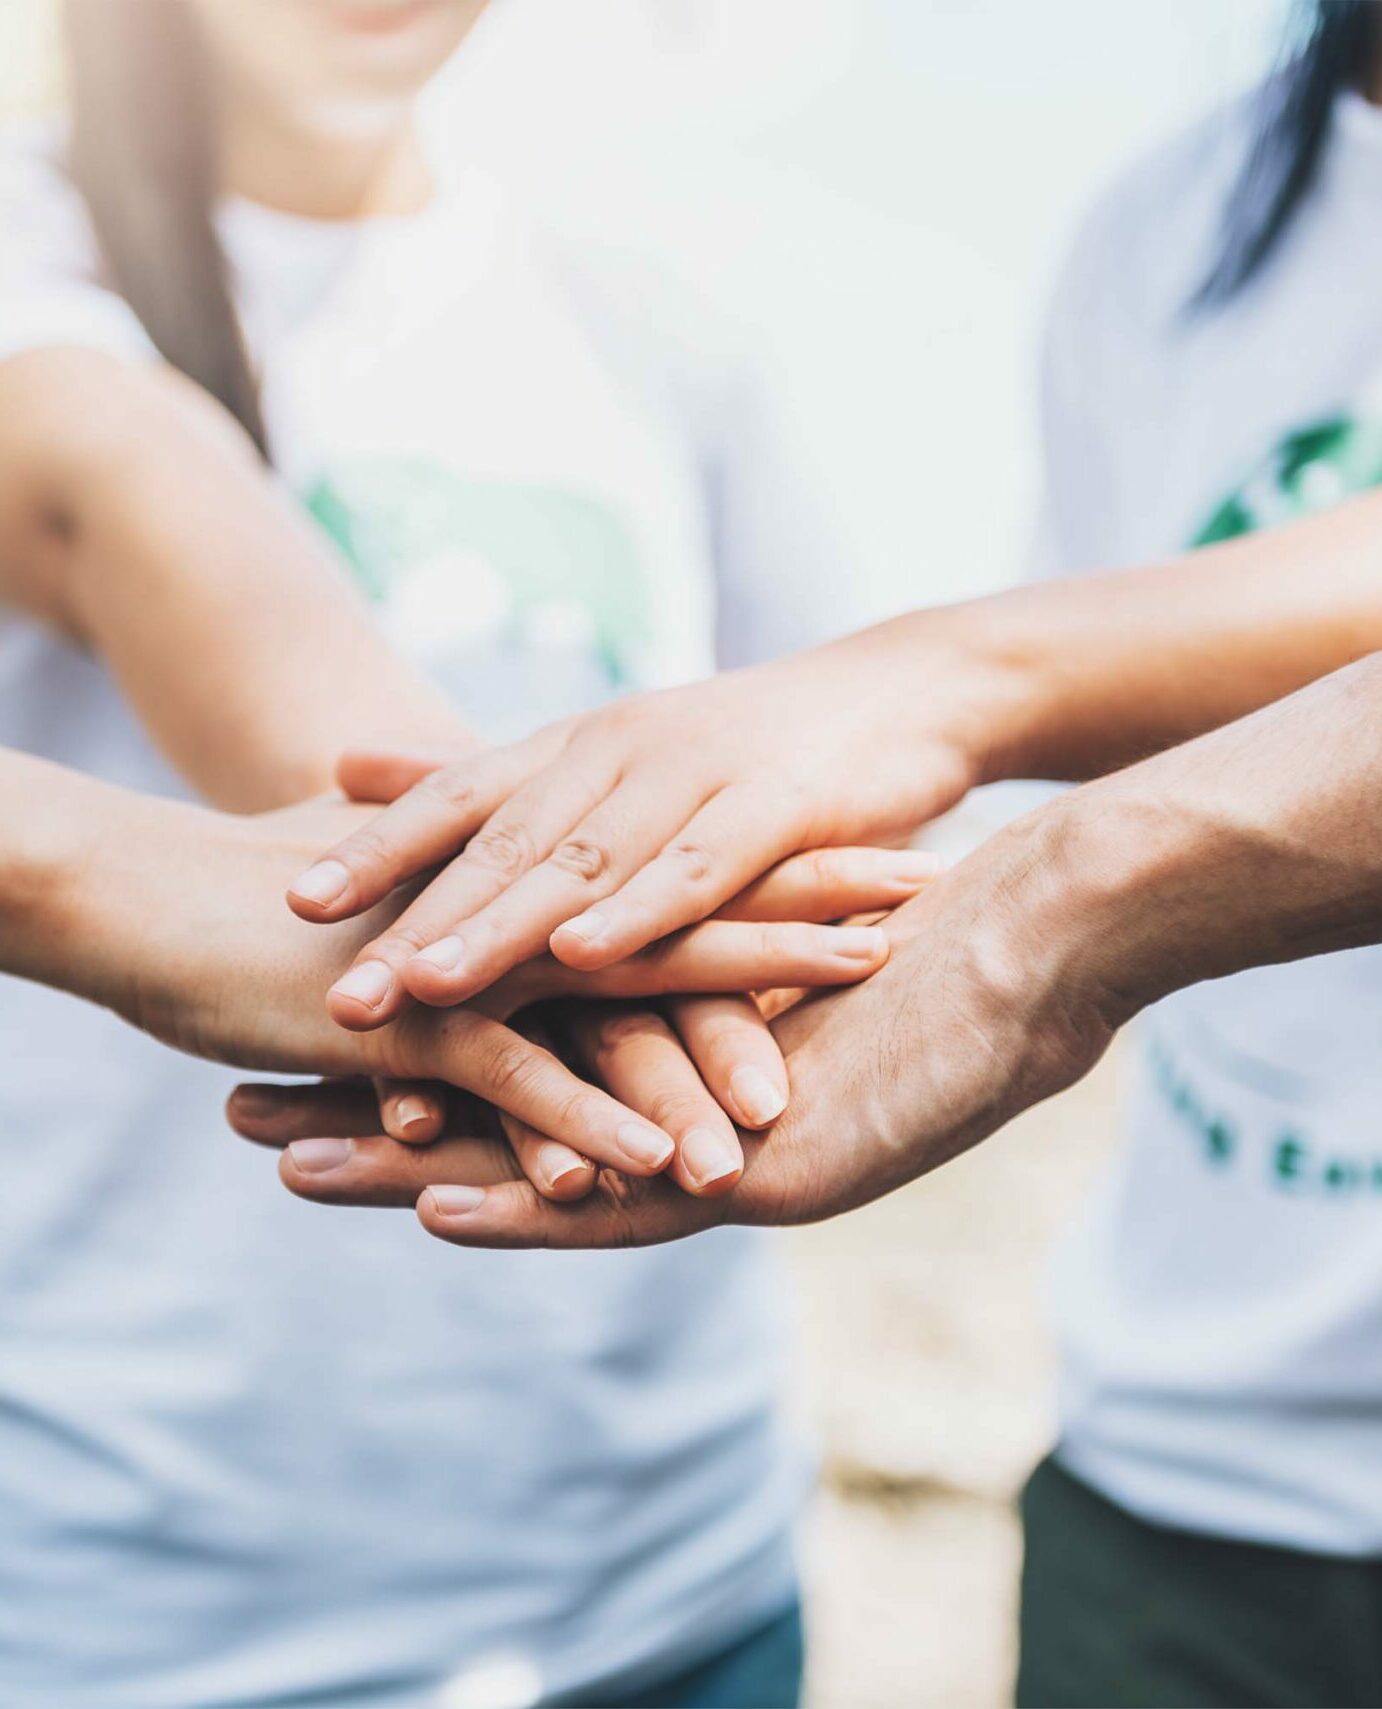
[758,1099]
[558,1164]
[857,943]
[412,1112]
[446,955]
[455,1201]
[588,927]
[645,1145]
[709,1156]
[319,1156]
[369,983]
[915,866]
[322,883]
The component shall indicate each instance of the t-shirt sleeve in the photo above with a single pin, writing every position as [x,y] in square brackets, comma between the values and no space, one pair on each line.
[50,289]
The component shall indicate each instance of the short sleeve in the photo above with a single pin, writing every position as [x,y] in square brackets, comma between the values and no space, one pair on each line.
[50,289]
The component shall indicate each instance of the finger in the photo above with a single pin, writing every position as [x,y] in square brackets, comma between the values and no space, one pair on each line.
[379,1171]
[618,1213]
[736,1054]
[428,823]
[383,774]
[640,1059]
[554,1169]
[725,955]
[411,1110]
[508,845]
[605,847]
[524,1079]
[276,1115]
[828,884]
[735,838]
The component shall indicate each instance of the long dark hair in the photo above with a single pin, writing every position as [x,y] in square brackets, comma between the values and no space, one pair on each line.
[144,154]
[1291,134]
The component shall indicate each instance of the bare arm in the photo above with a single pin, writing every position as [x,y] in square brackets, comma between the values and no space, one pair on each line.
[136,517]
[648,814]
[1254,844]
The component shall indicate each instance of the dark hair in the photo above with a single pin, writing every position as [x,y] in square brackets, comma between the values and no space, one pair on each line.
[144,155]
[1292,130]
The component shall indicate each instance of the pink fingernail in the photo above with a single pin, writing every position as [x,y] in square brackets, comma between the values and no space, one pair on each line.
[559,1164]
[322,884]
[455,1201]
[589,927]
[412,1112]
[759,1101]
[320,1156]
[709,1157]
[645,1145]
[447,955]
[369,983]
[857,943]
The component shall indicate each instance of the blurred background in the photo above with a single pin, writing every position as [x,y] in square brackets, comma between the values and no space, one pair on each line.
[880,191]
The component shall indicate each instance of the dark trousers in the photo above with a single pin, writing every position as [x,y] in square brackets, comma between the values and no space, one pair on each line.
[1116,1611]
[762,1671]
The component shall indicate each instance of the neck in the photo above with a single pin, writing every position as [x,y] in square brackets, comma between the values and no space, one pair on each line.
[281,164]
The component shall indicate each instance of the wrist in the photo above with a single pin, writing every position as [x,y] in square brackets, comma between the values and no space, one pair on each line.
[1114,893]
[969,676]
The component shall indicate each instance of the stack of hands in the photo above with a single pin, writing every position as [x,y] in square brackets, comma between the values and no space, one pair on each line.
[664,966]
[628,976]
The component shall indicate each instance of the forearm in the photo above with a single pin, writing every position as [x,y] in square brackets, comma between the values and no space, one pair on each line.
[59,832]
[1255,844]
[1072,679]
[229,625]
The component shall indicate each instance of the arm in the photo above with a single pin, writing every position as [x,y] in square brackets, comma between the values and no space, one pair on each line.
[625,829]
[136,517]
[1255,844]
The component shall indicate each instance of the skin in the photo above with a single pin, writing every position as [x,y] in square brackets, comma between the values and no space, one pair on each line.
[621,831]
[227,974]
[1009,976]
[125,491]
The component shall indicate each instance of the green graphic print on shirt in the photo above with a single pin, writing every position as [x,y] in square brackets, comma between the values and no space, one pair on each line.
[1310,470]
[488,560]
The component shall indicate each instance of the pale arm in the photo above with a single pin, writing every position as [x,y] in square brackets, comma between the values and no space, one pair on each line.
[648,814]
[136,517]
[1257,843]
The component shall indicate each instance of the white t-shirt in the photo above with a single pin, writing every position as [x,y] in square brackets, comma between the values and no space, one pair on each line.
[1220,1305]
[253,1452]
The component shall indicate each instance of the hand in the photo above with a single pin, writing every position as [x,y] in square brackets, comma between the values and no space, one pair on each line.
[632,1052]
[703,1056]
[177,923]
[658,808]
[174,919]
[990,1001]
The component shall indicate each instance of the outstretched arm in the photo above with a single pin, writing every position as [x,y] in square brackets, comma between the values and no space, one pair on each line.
[137,518]
[646,815]
[1257,843]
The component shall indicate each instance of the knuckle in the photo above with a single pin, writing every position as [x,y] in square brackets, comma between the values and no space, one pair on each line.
[402,940]
[367,850]
[513,1069]
[449,787]
[507,849]
[693,860]
[582,858]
